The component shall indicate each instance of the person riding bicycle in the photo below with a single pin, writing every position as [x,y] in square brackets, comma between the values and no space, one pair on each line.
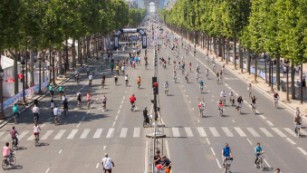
[201,106]
[79,98]
[197,68]
[297,122]
[6,152]
[35,111]
[145,114]
[14,134]
[223,96]
[51,90]
[239,102]
[253,101]
[166,87]
[56,113]
[226,153]
[16,110]
[61,89]
[220,105]
[104,101]
[138,81]
[258,152]
[249,89]
[132,100]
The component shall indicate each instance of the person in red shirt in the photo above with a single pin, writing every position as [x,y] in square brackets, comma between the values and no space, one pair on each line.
[132,101]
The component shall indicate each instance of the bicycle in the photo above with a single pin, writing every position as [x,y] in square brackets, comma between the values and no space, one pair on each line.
[9,161]
[15,143]
[221,110]
[276,102]
[260,163]
[297,129]
[227,164]
[201,111]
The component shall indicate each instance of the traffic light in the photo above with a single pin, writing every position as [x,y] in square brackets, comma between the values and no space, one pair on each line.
[155,85]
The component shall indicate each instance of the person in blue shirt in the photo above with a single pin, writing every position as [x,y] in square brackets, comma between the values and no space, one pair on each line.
[226,153]
[201,83]
[258,152]
[51,90]
[16,110]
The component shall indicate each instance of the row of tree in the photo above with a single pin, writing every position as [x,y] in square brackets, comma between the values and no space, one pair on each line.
[44,25]
[275,27]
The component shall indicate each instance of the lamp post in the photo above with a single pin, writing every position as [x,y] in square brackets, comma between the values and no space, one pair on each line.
[287,82]
[2,116]
[23,80]
[39,75]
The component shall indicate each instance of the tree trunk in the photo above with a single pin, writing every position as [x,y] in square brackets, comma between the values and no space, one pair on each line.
[214,45]
[50,64]
[66,58]
[240,58]
[235,53]
[73,53]
[220,48]
[227,51]
[292,81]
[16,88]
[248,61]
[278,72]
[256,67]
[79,52]
[88,44]
[84,54]
[223,49]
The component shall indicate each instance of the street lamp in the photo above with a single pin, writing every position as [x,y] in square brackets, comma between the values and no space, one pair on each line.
[23,80]
[2,116]
[39,75]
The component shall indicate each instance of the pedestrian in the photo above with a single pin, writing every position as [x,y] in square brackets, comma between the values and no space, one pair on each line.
[107,163]
[277,170]
[167,164]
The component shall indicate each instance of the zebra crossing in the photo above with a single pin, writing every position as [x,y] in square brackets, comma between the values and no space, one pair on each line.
[137,132]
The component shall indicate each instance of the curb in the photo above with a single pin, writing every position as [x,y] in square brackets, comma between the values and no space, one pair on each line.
[10,117]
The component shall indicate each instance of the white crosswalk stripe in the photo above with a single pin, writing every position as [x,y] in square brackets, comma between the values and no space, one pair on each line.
[266,132]
[85,133]
[7,137]
[136,132]
[280,133]
[189,132]
[214,132]
[60,134]
[253,132]
[98,133]
[46,135]
[23,134]
[240,131]
[176,132]
[72,134]
[290,131]
[110,133]
[1,133]
[30,138]
[227,131]
[123,132]
[201,132]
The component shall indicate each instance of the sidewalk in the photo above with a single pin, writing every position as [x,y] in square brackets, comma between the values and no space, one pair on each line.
[260,84]
[59,80]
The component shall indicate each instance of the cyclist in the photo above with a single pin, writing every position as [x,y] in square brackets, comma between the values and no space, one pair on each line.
[145,114]
[56,114]
[88,99]
[249,89]
[35,111]
[166,86]
[232,98]
[201,106]
[201,85]
[115,79]
[14,134]
[258,152]
[51,90]
[138,81]
[36,131]
[226,153]
[126,80]
[223,96]
[297,122]
[276,98]
[79,98]
[16,111]
[132,101]
[6,152]
[90,78]
[297,111]
[61,90]
[104,102]
[65,106]
[253,102]
[239,102]
[103,78]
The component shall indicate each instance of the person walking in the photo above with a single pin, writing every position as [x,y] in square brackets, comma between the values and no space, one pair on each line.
[107,163]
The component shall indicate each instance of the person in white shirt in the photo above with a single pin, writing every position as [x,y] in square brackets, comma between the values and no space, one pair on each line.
[107,164]
[35,111]
[56,114]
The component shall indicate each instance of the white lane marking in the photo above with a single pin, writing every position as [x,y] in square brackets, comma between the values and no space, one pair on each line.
[46,135]
[116,117]
[31,138]
[97,165]
[98,133]
[118,111]
[110,133]
[189,132]
[201,132]
[214,132]
[60,151]
[123,132]
[249,141]
[212,151]
[240,131]
[104,147]
[302,150]
[270,123]
[227,132]
[146,156]
[267,163]
[23,134]
[59,135]
[136,132]
[262,116]
[85,133]
[266,132]
[175,132]
[72,134]
[47,170]
[167,148]
[207,139]
[290,131]
[1,133]
[113,124]
[78,124]
[290,140]
[280,133]
[218,163]
[253,132]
